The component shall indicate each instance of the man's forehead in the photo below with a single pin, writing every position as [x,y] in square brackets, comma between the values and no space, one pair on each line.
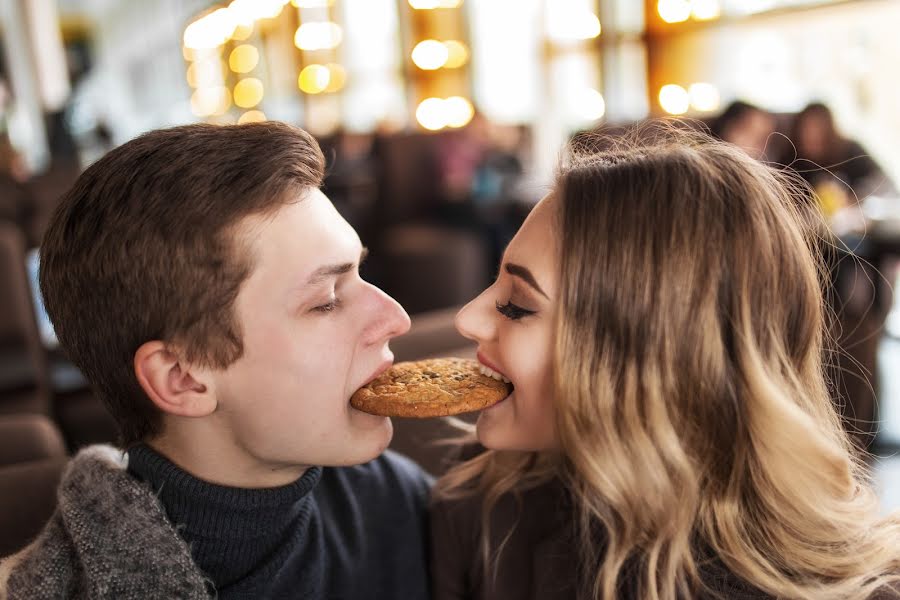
[305,234]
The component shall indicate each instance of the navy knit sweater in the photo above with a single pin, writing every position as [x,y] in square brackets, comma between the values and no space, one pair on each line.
[343,533]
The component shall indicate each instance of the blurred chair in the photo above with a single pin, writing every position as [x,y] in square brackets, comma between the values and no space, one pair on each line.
[29,437]
[24,380]
[83,418]
[432,335]
[35,379]
[27,500]
[32,458]
[432,267]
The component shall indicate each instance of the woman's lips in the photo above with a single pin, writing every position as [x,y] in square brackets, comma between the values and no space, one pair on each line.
[488,368]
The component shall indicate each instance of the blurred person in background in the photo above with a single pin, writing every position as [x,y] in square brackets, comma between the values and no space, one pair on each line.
[16,200]
[841,174]
[480,168]
[748,127]
[838,168]
[670,433]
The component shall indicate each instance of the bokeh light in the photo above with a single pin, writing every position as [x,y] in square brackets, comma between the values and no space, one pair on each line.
[248,92]
[674,99]
[457,54]
[704,96]
[674,11]
[252,116]
[314,79]
[208,101]
[705,10]
[458,111]
[429,55]
[431,115]
[337,77]
[243,59]
[318,36]
[591,105]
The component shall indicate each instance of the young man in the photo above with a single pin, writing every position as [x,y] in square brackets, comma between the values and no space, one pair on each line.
[211,294]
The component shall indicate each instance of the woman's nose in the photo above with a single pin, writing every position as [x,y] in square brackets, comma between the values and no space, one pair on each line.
[475,320]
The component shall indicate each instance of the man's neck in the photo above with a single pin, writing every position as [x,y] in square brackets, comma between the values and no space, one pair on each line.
[215,458]
[237,536]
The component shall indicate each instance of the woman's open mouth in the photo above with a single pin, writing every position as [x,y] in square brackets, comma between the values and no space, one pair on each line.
[493,374]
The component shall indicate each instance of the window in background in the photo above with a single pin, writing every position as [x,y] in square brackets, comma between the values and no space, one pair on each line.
[506,54]
[371,53]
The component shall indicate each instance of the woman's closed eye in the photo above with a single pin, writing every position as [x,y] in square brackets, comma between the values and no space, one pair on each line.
[512,311]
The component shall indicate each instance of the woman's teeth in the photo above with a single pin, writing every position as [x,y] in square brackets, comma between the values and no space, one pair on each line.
[491,373]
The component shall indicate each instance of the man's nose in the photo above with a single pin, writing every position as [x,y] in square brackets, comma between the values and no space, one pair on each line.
[389,319]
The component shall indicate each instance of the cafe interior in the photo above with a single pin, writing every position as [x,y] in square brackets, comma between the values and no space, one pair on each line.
[442,123]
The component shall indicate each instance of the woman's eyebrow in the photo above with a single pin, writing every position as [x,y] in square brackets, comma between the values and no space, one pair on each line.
[525,275]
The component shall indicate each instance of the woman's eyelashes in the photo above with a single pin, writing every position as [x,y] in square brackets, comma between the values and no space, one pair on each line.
[512,311]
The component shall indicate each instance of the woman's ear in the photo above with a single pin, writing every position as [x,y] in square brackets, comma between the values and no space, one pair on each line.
[173,385]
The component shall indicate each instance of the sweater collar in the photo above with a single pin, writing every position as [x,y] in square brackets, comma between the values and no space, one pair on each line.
[232,531]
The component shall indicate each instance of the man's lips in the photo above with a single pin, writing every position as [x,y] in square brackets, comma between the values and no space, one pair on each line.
[379,371]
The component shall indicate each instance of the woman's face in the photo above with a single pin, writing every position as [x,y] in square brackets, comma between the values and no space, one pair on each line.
[512,322]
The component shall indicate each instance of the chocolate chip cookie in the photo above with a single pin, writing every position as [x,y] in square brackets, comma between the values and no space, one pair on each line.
[430,388]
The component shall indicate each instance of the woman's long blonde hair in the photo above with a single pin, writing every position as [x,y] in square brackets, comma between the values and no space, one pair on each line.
[691,403]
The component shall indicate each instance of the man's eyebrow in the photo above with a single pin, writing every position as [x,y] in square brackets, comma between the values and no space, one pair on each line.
[327,271]
[525,275]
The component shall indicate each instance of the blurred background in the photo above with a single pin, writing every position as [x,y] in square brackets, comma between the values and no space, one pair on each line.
[442,122]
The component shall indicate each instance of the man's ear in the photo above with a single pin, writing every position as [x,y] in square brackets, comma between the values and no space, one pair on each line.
[174,386]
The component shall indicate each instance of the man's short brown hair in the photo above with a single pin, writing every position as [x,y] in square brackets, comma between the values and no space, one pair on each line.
[143,247]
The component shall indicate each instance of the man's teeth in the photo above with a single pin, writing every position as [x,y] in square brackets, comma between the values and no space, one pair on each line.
[491,373]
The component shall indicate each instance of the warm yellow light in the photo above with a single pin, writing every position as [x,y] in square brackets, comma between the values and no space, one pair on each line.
[211,30]
[244,11]
[210,101]
[242,31]
[311,3]
[337,77]
[431,114]
[252,116]
[674,99]
[318,36]
[196,55]
[314,79]
[429,55]
[458,111]
[248,92]
[430,4]
[591,105]
[704,96]
[457,54]
[704,10]
[571,22]
[247,11]
[243,59]
[674,11]
[204,73]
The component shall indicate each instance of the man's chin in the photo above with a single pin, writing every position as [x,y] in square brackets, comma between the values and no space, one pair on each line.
[368,442]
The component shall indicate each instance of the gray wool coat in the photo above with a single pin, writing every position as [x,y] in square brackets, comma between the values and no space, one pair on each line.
[108,539]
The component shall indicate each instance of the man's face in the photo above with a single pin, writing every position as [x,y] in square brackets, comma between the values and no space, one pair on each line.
[313,333]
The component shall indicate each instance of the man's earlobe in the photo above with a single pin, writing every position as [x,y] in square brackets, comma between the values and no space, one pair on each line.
[174,386]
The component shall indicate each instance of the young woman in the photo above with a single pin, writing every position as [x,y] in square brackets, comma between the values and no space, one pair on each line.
[670,434]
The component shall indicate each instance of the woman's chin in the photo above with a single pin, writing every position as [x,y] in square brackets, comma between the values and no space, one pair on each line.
[491,425]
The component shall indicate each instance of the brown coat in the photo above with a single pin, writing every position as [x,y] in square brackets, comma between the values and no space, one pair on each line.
[539,561]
